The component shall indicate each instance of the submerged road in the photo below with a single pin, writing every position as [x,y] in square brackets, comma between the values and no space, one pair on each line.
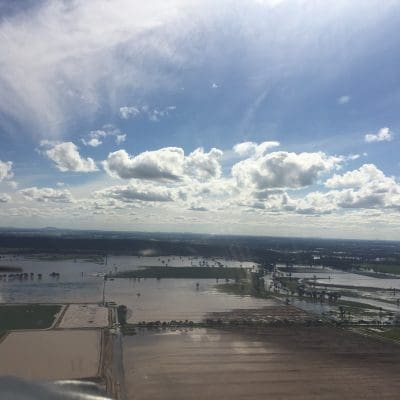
[116,368]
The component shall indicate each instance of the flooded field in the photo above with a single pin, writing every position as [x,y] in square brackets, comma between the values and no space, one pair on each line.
[75,284]
[358,280]
[50,355]
[84,316]
[134,262]
[175,299]
[280,350]
[372,292]
[332,277]
[279,363]
[81,280]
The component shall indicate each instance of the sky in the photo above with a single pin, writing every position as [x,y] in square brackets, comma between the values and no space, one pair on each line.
[254,117]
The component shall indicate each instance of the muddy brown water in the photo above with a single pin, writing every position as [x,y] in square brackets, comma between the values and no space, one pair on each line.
[50,355]
[277,363]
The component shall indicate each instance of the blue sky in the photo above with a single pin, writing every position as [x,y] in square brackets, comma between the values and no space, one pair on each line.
[103,105]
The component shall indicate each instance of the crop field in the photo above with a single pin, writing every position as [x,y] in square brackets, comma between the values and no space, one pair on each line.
[27,316]
[185,273]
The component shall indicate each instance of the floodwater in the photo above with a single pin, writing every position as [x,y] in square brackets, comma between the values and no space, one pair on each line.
[374,303]
[350,279]
[279,363]
[76,284]
[327,276]
[81,281]
[84,316]
[314,307]
[365,289]
[175,299]
[122,263]
[50,355]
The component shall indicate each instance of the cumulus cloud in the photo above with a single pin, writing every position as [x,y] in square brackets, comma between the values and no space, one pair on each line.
[67,158]
[198,208]
[4,198]
[316,203]
[283,169]
[153,114]
[204,165]
[120,138]
[166,164]
[95,138]
[357,178]
[364,198]
[127,112]
[366,187]
[274,201]
[47,195]
[136,192]
[12,184]
[93,142]
[383,135]
[251,148]
[6,170]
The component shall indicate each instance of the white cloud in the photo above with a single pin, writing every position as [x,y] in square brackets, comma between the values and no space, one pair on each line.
[128,112]
[5,198]
[343,99]
[166,164]
[316,203]
[47,194]
[90,55]
[6,170]
[283,170]
[364,188]
[120,138]
[357,178]
[214,86]
[67,158]
[383,135]
[81,57]
[269,3]
[204,165]
[136,192]
[364,198]
[198,208]
[12,184]
[252,148]
[153,114]
[93,142]
[95,138]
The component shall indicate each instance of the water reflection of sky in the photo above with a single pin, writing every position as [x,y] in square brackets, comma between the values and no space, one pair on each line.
[77,282]
[327,276]
[350,279]
[178,299]
[81,281]
[135,262]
